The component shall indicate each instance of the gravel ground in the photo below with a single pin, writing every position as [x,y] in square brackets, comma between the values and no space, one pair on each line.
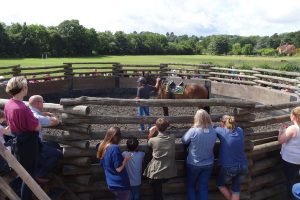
[156,111]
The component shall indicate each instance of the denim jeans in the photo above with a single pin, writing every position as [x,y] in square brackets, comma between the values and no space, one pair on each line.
[236,174]
[48,158]
[135,192]
[144,110]
[198,175]
[121,194]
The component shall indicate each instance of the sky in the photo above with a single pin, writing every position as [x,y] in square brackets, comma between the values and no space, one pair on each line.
[191,17]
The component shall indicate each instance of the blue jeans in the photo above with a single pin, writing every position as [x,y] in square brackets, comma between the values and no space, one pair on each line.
[236,174]
[121,194]
[144,110]
[135,192]
[198,175]
[48,158]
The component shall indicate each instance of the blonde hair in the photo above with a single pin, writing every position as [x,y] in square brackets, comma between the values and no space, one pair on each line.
[229,121]
[15,85]
[296,113]
[202,119]
[113,136]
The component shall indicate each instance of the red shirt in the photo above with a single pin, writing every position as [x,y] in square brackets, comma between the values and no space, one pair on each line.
[19,117]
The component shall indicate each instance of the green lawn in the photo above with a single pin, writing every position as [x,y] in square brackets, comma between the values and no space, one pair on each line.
[238,61]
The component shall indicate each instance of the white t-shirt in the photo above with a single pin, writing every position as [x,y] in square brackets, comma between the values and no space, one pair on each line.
[134,166]
[290,151]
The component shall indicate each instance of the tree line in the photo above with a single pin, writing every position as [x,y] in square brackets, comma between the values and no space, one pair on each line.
[70,39]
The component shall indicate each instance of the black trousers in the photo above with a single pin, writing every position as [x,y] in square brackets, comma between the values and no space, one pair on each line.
[26,149]
[291,172]
[156,185]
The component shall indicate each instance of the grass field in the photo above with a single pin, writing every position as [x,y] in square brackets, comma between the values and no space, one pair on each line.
[238,61]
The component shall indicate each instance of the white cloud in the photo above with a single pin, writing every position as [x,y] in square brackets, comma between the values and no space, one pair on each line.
[198,17]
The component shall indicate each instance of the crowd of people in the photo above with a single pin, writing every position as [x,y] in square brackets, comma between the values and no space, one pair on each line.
[124,170]
[24,134]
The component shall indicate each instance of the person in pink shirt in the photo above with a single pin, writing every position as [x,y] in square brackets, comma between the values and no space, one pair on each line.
[25,127]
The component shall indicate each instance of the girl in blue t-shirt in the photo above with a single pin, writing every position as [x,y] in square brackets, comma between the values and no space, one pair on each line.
[232,157]
[112,161]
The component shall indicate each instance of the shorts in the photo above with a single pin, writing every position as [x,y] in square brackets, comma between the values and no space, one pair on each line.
[234,174]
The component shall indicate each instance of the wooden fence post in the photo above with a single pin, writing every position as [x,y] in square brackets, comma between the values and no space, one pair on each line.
[30,182]
[16,70]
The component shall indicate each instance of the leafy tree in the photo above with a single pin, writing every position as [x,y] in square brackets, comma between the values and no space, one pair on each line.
[219,45]
[247,49]
[4,41]
[74,37]
[236,49]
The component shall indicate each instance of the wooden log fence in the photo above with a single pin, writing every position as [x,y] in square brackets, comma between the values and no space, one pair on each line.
[289,81]
[81,169]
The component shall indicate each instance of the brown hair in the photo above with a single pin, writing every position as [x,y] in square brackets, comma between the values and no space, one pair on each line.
[202,119]
[113,136]
[296,113]
[162,124]
[229,121]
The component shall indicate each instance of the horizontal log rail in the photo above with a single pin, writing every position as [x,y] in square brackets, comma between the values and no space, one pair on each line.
[277,85]
[289,80]
[189,69]
[140,66]
[267,108]
[272,71]
[41,73]
[265,121]
[52,107]
[158,102]
[234,70]
[43,67]
[72,119]
[233,75]
[194,65]
[90,63]
[232,81]
[10,67]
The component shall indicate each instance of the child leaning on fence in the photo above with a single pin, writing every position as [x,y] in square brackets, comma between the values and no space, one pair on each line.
[113,163]
[162,165]
[134,166]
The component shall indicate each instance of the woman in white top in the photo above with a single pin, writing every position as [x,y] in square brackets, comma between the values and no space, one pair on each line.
[289,137]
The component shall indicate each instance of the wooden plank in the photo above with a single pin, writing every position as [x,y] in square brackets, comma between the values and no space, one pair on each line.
[232,81]
[277,78]
[273,71]
[72,119]
[158,102]
[233,75]
[30,182]
[7,190]
[279,85]
[269,107]
[193,65]
[234,70]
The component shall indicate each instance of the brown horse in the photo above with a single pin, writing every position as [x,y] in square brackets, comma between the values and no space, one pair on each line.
[191,91]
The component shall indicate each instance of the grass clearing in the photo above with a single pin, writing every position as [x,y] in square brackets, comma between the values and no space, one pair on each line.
[238,61]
